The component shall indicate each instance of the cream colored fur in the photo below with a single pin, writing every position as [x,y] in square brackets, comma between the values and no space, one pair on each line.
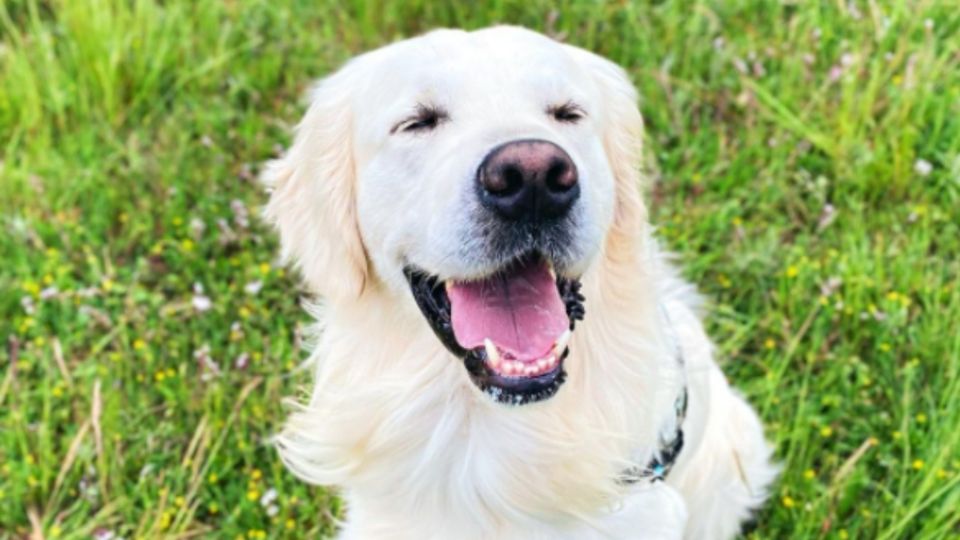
[393,419]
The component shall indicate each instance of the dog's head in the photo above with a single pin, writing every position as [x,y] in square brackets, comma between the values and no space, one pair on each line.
[480,173]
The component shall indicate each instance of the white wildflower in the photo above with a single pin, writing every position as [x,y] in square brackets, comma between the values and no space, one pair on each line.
[240,215]
[268,497]
[242,361]
[830,286]
[200,301]
[48,293]
[835,73]
[253,287]
[27,304]
[104,534]
[923,167]
[827,215]
[197,227]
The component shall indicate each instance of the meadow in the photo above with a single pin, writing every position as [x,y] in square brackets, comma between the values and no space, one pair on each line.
[804,164]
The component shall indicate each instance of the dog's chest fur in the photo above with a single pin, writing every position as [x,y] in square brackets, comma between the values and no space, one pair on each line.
[407,435]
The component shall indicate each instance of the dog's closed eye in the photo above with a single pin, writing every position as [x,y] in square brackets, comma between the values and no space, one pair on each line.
[426,118]
[568,113]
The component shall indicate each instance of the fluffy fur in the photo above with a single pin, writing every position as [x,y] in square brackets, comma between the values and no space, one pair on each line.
[393,419]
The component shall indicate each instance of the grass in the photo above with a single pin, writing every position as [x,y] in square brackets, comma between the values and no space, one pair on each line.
[806,167]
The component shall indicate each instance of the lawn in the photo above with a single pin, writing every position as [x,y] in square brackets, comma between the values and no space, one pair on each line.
[804,160]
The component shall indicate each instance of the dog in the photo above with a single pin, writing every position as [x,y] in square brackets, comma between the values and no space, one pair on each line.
[502,349]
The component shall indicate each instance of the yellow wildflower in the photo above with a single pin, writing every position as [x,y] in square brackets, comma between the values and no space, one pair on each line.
[30,287]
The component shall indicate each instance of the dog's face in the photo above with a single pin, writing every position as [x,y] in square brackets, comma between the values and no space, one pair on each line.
[473,170]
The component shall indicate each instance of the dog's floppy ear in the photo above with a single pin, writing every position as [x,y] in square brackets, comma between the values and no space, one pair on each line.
[313,203]
[623,142]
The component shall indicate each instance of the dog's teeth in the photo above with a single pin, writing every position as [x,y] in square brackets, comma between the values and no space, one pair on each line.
[551,361]
[562,343]
[493,355]
[542,364]
[530,370]
[507,367]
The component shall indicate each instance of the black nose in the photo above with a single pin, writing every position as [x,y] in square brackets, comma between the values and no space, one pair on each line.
[528,180]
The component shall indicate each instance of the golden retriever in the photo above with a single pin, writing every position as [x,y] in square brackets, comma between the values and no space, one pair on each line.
[503,350]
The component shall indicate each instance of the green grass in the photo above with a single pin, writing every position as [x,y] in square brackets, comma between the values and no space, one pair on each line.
[130,135]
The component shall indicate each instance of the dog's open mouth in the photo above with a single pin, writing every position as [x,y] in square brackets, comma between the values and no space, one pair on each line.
[511,329]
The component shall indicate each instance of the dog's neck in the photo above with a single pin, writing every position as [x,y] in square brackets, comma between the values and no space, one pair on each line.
[394,416]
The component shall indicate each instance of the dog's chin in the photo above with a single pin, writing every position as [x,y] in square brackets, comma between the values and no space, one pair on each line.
[511,329]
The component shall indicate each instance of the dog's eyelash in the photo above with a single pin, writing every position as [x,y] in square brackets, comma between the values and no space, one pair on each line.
[426,119]
[568,112]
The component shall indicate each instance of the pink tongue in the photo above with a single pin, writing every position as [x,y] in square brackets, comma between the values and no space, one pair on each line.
[519,310]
